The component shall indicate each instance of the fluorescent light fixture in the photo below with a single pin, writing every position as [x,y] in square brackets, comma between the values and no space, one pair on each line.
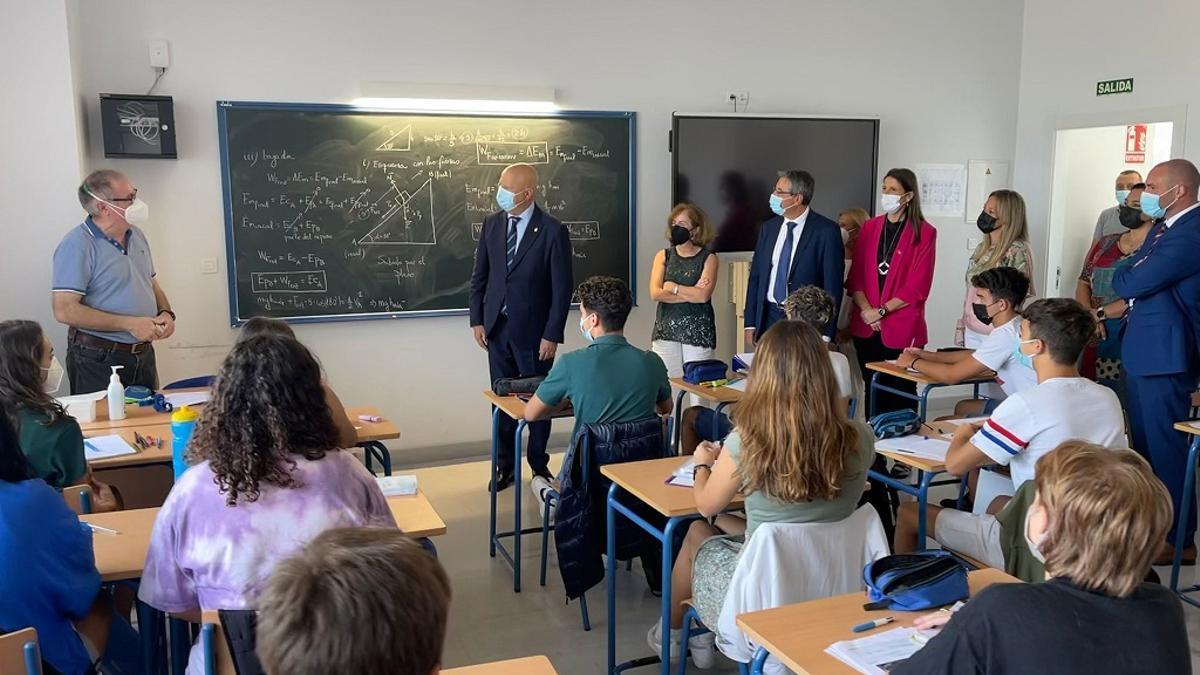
[416,96]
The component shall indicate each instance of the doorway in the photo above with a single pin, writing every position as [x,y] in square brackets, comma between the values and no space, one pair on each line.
[1086,163]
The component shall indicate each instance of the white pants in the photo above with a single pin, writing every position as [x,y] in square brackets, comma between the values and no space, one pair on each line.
[675,354]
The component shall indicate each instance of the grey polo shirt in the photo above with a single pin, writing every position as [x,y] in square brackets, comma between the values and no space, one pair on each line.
[1108,223]
[111,276]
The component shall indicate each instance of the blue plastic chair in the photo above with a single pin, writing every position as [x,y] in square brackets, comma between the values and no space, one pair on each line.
[692,617]
[198,382]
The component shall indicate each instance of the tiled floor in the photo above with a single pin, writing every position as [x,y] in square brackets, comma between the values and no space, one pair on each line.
[489,622]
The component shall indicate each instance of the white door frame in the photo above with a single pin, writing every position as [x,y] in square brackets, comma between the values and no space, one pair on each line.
[1177,115]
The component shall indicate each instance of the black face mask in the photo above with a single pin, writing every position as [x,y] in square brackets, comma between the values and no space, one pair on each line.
[985,223]
[1129,216]
[981,312]
[680,235]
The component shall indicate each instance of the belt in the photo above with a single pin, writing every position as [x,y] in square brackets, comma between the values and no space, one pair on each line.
[81,338]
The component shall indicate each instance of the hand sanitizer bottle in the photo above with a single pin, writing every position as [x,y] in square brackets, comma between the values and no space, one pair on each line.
[116,396]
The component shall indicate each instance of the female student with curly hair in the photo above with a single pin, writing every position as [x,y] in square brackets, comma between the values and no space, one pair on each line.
[51,439]
[272,478]
[794,455]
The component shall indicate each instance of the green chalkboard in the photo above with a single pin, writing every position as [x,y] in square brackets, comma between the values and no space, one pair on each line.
[337,213]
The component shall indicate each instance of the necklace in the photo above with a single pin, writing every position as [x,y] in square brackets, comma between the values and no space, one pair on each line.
[885,264]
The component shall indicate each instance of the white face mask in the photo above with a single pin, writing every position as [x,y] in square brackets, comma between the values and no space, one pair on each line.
[587,334]
[1034,546]
[54,376]
[890,203]
[137,213]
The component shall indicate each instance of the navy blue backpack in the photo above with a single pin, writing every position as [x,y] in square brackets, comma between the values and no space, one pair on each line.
[913,581]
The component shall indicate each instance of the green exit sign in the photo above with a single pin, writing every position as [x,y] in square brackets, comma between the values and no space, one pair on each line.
[1107,87]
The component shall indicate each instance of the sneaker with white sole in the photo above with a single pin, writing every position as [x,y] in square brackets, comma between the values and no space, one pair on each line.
[541,487]
[654,639]
[704,650]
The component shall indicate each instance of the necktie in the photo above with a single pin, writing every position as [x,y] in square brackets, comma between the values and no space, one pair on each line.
[784,267]
[1159,232]
[512,239]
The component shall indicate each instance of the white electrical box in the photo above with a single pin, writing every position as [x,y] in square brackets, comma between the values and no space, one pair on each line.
[160,54]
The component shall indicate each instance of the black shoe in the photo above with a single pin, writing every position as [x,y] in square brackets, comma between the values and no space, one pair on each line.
[952,503]
[503,480]
[900,472]
[544,473]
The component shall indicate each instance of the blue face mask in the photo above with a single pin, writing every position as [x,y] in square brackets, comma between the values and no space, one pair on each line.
[505,199]
[1021,357]
[587,335]
[777,205]
[1152,208]
[1122,195]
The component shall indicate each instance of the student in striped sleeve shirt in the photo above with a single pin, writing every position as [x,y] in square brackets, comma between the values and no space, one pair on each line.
[1028,424]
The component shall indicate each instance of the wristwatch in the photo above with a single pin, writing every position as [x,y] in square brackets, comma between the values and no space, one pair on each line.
[1101,314]
[883,311]
[700,466]
[166,311]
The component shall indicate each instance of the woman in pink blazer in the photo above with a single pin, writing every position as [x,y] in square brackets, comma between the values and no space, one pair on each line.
[890,277]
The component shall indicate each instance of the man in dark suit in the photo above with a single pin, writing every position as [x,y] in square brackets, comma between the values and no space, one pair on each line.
[798,247]
[520,295]
[1159,348]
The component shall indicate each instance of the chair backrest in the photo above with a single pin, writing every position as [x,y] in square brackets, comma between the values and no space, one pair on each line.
[79,498]
[786,563]
[19,653]
[191,382]
[647,438]
[214,647]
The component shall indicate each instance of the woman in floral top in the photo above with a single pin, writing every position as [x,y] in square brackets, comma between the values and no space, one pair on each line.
[1005,244]
[1102,358]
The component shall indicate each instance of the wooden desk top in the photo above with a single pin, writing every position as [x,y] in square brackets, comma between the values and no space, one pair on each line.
[646,480]
[153,455]
[530,665]
[915,462]
[710,394]
[798,634]
[122,556]
[383,430]
[904,374]
[1187,428]
[515,407]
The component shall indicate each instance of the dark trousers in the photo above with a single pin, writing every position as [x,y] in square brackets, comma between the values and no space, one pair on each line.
[88,368]
[506,358]
[1156,403]
[872,349]
[772,314]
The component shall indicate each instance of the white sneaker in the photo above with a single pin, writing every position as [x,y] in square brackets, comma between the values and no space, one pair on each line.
[540,487]
[704,650]
[654,639]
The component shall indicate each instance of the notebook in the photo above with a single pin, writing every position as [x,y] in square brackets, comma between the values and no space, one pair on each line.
[103,447]
[397,486]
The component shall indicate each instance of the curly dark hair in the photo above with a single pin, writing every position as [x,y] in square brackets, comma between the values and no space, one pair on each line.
[1004,283]
[268,404]
[609,298]
[262,325]
[21,345]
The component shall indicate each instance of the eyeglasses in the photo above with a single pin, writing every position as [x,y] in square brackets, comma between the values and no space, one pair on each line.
[130,198]
[785,193]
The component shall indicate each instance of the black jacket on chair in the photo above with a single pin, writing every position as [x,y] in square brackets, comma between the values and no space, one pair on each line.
[579,521]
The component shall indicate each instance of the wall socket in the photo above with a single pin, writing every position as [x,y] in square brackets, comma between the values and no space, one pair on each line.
[737,99]
[160,54]
[208,266]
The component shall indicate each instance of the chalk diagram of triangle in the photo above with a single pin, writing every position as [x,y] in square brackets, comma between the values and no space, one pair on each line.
[409,219]
[401,141]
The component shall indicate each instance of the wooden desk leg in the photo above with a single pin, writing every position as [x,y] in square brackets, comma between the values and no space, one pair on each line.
[1185,512]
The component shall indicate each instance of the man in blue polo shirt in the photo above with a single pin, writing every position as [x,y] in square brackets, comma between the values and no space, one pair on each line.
[104,289]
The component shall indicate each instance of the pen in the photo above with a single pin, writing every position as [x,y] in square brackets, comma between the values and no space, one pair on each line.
[88,444]
[864,627]
[102,530]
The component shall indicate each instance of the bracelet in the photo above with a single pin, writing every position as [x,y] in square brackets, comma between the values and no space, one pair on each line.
[700,466]
[914,363]
[166,311]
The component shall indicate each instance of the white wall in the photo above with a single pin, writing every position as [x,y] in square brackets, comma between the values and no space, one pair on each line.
[1069,45]
[941,74]
[40,153]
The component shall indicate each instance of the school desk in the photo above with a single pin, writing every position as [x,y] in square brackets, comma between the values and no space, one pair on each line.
[1192,429]
[647,482]
[530,665]
[797,635]
[925,384]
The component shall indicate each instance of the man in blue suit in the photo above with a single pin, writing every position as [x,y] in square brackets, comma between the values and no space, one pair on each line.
[520,295]
[1159,348]
[798,247]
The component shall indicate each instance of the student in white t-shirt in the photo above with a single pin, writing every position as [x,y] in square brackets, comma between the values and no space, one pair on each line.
[1000,292]
[810,304]
[1063,406]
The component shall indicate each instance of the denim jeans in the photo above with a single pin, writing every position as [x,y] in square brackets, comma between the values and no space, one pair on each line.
[88,368]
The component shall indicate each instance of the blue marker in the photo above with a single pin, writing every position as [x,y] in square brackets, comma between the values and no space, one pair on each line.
[864,627]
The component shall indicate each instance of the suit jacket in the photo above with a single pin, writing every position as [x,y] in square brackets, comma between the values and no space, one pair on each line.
[909,278]
[538,288]
[818,261]
[1160,333]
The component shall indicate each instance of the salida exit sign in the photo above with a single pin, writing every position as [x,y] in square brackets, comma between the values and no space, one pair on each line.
[1107,87]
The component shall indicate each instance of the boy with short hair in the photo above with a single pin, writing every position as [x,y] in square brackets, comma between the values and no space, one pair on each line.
[1028,424]
[355,600]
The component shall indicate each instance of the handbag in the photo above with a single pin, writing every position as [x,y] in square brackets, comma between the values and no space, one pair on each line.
[915,581]
[895,424]
[707,370]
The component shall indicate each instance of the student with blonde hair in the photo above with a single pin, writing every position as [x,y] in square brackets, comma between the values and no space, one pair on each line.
[682,279]
[1097,522]
[794,456]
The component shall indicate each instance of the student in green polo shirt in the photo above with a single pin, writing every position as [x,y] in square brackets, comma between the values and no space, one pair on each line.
[610,380]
